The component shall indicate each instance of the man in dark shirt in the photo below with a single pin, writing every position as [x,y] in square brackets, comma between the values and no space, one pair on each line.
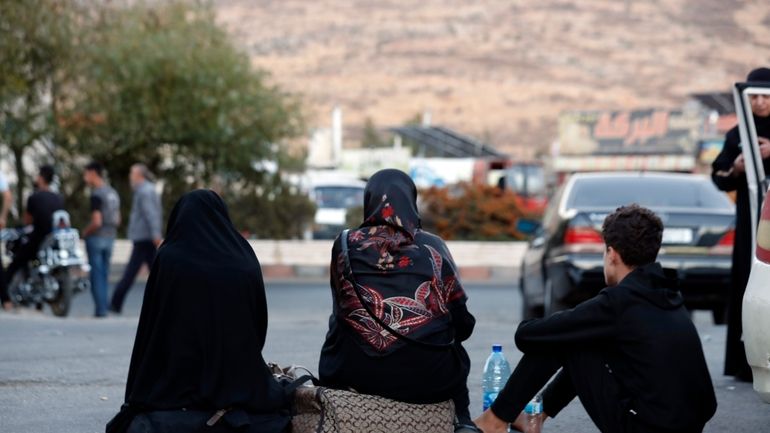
[41,206]
[631,354]
[100,233]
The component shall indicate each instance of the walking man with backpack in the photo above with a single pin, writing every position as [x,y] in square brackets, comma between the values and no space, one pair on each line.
[100,233]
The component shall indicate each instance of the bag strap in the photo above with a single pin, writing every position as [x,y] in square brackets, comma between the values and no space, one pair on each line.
[292,387]
[356,289]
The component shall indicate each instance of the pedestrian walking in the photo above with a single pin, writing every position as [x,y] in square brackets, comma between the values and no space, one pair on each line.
[144,230]
[100,233]
[729,174]
[198,346]
[631,353]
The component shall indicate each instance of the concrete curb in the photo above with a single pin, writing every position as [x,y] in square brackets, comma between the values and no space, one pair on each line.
[309,260]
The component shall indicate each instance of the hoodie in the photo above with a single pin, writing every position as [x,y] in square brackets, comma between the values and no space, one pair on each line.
[649,343]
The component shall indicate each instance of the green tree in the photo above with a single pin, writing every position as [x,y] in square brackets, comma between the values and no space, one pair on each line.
[372,136]
[165,85]
[35,49]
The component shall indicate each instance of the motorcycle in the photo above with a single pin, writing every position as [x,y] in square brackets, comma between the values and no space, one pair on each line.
[56,274]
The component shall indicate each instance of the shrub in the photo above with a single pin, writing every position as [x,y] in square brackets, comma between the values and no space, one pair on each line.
[471,212]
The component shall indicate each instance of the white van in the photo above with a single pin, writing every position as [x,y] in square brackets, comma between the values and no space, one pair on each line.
[334,198]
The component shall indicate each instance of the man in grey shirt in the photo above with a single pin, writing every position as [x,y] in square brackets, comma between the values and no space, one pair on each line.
[144,230]
[100,233]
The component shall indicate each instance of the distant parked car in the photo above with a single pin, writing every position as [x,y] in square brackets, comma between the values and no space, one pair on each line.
[563,264]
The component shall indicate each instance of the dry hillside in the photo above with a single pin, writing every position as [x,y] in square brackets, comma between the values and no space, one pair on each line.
[498,69]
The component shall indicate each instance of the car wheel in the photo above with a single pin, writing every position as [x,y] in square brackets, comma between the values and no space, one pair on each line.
[552,304]
[719,314]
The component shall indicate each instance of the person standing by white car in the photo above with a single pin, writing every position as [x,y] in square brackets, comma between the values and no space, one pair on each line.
[729,174]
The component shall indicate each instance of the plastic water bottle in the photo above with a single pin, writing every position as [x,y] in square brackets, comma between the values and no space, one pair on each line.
[533,419]
[496,373]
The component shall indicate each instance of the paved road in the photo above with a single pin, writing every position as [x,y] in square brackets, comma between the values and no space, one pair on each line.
[68,375]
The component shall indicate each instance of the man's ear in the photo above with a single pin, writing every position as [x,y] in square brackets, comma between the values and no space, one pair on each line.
[613,255]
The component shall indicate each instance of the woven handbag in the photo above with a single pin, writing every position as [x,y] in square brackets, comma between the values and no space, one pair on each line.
[324,410]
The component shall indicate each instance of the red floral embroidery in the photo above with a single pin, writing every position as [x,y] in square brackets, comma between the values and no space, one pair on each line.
[387,211]
[403,314]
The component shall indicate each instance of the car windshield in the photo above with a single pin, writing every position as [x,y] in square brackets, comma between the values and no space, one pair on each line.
[526,179]
[611,192]
[338,197]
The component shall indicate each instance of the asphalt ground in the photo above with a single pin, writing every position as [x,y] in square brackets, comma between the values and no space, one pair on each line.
[68,375]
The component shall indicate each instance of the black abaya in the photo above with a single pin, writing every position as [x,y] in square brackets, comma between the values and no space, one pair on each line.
[203,323]
[735,355]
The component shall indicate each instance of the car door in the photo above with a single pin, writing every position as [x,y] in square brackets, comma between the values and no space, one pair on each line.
[532,268]
[756,300]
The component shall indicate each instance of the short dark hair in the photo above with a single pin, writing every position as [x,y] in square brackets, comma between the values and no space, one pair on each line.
[96,167]
[635,233]
[47,173]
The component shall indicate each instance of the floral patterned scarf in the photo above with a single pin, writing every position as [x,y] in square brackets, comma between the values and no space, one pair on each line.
[405,275]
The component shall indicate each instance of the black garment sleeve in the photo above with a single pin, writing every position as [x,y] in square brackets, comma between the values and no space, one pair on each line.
[463,322]
[593,321]
[96,203]
[558,394]
[724,163]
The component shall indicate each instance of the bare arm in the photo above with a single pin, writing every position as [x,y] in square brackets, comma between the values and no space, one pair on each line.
[7,201]
[96,224]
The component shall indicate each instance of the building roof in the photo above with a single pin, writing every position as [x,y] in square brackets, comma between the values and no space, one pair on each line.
[722,102]
[439,141]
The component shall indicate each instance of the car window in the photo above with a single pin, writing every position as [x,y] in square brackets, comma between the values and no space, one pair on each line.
[611,192]
[529,179]
[338,197]
[550,218]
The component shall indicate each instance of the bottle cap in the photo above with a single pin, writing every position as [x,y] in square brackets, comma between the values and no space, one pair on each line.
[497,348]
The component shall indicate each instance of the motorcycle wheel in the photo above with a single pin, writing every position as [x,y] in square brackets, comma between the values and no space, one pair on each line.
[60,306]
[13,289]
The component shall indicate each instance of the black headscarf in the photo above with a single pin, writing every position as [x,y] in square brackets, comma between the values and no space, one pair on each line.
[760,75]
[406,276]
[204,319]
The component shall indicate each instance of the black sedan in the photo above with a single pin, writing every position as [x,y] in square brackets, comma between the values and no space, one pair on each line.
[563,264]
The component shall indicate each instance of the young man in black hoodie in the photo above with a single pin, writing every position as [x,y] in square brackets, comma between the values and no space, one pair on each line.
[631,354]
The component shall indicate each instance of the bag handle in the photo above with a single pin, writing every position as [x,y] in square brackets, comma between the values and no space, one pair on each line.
[391,331]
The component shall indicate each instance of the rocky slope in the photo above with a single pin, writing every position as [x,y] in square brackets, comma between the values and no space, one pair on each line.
[501,70]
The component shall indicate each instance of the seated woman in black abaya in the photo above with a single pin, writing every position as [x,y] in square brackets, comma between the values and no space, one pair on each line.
[197,354]
[407,278]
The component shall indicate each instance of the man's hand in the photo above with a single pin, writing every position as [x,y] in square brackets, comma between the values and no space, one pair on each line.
[3,222]
[739,165]
[764,147]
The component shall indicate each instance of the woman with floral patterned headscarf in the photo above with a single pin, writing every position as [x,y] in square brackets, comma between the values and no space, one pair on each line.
[399,312]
